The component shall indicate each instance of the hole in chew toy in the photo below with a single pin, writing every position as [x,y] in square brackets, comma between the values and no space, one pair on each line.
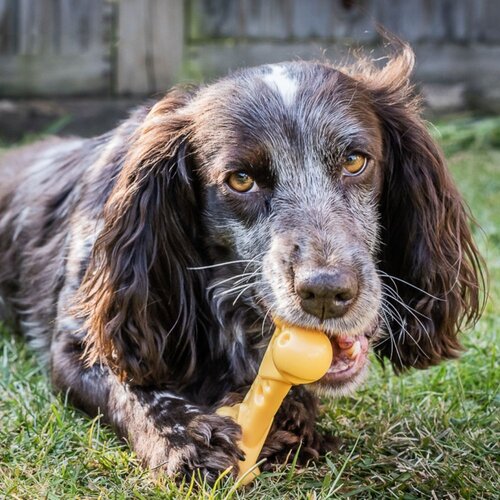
[283,339]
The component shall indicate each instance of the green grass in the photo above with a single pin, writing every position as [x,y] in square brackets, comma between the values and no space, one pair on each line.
[431,434]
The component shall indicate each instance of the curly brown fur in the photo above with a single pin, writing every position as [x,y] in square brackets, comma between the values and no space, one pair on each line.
[149,283]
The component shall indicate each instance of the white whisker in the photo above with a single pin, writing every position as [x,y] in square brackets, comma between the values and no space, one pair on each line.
[242,277]
[250,285]
[413,313]
[394,295]
[404,330]
[220,264]
[392,278]
[392,340]
[390,292]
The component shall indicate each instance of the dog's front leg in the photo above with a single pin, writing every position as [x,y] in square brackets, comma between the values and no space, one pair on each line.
[167,433]
[294,430]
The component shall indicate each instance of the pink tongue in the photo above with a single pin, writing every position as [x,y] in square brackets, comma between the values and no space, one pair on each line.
[345,343]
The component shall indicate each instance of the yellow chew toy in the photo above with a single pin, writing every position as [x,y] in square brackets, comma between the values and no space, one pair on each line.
[294,356]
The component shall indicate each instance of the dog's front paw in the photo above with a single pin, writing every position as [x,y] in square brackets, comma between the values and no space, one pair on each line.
[213,447]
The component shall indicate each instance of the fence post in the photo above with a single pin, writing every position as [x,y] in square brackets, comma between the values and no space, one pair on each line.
[150,45]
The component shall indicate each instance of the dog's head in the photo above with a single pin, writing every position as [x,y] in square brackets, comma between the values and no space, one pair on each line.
[299,191]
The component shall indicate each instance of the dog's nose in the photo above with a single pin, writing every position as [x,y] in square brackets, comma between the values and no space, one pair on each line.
[327,294]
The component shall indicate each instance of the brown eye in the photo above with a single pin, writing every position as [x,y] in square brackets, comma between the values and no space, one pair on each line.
[241,182]
[354,164]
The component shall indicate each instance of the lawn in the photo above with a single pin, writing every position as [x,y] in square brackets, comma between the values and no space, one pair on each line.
[431,434]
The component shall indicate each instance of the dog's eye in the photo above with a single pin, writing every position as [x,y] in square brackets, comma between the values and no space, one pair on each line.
[241,182]
[354,164]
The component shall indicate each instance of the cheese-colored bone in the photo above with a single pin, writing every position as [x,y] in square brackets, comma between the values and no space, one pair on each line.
[294,356]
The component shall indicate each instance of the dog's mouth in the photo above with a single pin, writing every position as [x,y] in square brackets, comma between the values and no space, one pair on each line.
[349,360]
[350,355]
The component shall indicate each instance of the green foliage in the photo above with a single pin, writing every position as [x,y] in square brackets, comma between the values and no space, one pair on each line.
[468,133]
[431,434]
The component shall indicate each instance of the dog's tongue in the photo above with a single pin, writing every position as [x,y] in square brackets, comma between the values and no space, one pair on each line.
[350,346]
[347,352]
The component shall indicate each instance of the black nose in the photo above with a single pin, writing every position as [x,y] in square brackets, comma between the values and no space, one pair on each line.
[327,294]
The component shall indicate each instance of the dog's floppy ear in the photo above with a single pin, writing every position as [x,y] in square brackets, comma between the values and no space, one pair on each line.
[139,300]
[430,266]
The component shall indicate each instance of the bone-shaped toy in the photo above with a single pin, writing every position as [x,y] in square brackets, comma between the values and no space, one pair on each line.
[294,356]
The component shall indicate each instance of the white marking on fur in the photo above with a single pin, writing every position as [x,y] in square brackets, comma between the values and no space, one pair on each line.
[178,429]
[280,81]
[166,394]
[191,409]
[21,220]
[38,337]
[84,231]
[104,158]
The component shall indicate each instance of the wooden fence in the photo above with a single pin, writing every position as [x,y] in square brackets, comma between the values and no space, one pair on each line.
[88,47]
[119,47]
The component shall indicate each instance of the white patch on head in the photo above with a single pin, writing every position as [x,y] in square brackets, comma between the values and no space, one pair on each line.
[22,218]
[283,83]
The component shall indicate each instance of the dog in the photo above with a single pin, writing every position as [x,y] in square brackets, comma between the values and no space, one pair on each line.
[146,265]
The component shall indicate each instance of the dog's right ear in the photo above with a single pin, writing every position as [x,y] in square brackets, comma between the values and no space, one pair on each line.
[433,274]
[138,299]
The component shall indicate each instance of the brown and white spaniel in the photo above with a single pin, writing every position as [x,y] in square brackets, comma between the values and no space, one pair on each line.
[146,264]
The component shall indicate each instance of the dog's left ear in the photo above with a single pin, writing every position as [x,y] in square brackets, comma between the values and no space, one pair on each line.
[141,304]
[432,272]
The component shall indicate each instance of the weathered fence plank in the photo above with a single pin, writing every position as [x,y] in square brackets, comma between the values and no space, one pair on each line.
[209,19]
[8,39]
[150,45]
[134,59]
[52,47]
[266,19]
